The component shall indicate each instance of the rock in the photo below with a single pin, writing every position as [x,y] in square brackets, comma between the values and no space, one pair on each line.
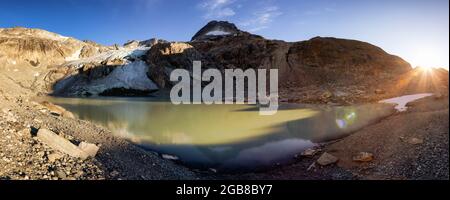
[90,149]
[61,174]
[11,118]
[363,157]
[68,114]
[114,173]
[311,166]
[213,170]
[310,152]
[379,91]
[340,94]
[114,62]
[169,157]
[6,110]
[131,44]
[60,143]
[54,156]
[414,141]
[54,109]
[152,42]
[327,159]
[326,95]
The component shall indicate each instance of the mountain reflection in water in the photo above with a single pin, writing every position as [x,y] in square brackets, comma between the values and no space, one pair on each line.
[224,137]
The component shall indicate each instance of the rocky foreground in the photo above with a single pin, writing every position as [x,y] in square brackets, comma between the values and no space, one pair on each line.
[408,145]
[26,156]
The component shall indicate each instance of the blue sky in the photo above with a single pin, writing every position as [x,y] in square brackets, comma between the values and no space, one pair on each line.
[417,30]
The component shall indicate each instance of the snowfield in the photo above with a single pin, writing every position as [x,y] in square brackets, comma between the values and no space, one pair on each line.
[131,75]
[218,33]
[122,53]
[403,100]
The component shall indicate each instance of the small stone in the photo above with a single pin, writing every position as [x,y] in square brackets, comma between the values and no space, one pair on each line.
[327,159]
[414,141]
[114,173]
[309,152]
[213,170]
[363,157]
[54,156]
[169,157]
[311,166]
[60,174]
[37,121]
[6,110]
[327,95]
[379,91]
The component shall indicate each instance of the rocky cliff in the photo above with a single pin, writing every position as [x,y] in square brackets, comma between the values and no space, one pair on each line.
[35,47]
[326,70]
[319,64]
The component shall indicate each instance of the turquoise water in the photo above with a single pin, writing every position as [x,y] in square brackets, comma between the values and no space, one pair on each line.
[224,137]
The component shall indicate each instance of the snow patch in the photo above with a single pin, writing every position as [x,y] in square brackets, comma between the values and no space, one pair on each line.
[129,76]
[218,33]
[403,100]
[121,53]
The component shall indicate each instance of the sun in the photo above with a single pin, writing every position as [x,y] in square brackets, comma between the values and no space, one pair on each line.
[426,68]
[426,59]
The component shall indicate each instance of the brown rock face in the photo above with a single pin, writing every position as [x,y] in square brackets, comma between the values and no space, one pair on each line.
[163,57]
[316,62]
[34,47]
[343,62]
[320,70]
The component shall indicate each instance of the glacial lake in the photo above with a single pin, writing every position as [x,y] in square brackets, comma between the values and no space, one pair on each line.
[224,137]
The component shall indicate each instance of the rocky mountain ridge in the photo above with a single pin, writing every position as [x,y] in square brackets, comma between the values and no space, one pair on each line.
[319,70]
[35,47]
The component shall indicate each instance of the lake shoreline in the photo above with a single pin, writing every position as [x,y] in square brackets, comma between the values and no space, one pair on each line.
[120,159]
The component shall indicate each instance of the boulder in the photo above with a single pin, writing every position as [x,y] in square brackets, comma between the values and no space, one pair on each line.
[57,110]
[60,144]
[90,149]
[327,159]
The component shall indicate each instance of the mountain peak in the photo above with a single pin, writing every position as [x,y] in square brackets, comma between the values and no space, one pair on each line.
[215,29]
